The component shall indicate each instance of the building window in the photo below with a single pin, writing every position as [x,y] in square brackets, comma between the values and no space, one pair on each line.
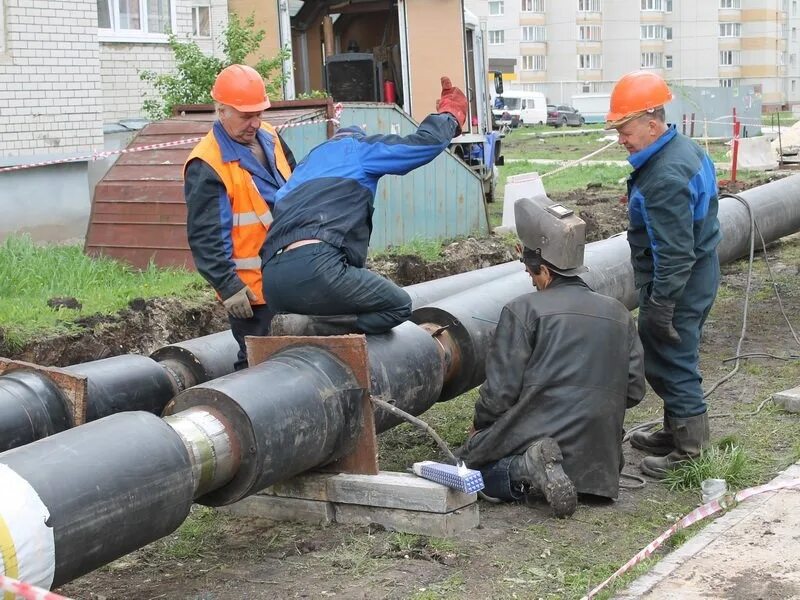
[497,8]
[135,16]
[794,8]
[652,60]
[589,6]
[652,32]
[668,33]
[201,21]
[653,5]
[794,34]
[668,61]
[531,62]
[497,36]
[536,6]
[794,85]
[726,83]
[792,59]
[534,33]
[730,30]
[730,3]
[729,58]
[668,6]
[590,61]
[589,33]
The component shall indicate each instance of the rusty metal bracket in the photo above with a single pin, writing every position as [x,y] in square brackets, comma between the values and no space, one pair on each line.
[352,351]
[73,387]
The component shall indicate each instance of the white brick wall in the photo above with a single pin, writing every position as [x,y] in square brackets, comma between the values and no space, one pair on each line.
[50,100]
[120,62]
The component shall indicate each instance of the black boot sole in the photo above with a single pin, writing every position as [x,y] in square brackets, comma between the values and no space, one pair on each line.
[558,489]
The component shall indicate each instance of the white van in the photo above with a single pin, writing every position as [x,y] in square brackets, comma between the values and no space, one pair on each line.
[529,107]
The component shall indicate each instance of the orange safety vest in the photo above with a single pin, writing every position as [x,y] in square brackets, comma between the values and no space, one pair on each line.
[251,215]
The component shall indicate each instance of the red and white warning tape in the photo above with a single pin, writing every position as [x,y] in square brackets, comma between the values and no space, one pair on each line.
[693,517]
[337,112]
[26,590]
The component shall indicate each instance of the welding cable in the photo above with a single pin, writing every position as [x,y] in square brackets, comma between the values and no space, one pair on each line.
[432,432]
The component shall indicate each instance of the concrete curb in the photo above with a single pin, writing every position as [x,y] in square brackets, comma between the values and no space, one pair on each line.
[668,566]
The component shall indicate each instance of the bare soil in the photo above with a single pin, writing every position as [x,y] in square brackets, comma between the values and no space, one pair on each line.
[518,551]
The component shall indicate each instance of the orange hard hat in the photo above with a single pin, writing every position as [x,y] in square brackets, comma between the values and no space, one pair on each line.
[242,88]
[636,93]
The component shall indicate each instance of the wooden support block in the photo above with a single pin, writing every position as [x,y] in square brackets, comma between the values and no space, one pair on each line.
[74,387]
[411,521]
[352,351]
[396,490]
[282,509]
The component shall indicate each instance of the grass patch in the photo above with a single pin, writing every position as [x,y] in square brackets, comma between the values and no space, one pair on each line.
[427,250]
[195,536]
[725,460]
[30,275]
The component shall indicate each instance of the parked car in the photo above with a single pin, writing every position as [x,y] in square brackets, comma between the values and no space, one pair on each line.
[564,115]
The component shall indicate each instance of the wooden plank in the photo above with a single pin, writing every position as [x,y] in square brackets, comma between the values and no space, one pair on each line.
[351,350]
[137,174]
[74,387]
[175,156]
[282,509]
[158,192]
[141,257]
[147,235]
[410,521]
[396,490]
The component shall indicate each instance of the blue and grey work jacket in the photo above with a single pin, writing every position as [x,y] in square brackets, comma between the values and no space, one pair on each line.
[672,207]
[331,194]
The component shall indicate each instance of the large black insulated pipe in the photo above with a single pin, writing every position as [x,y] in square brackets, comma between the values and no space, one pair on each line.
[122,383]
[198,360]
[233,436]
[31,407]
[298,410]
[110,487]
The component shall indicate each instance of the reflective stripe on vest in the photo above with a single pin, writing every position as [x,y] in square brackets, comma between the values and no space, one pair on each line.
[251,218]
[253,262]
[251,215]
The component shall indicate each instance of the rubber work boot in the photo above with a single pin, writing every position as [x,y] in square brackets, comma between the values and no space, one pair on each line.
[690,435]
[657,443]
[539,470]
[294,324]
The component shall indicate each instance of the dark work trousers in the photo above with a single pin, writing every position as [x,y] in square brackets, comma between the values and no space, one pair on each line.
[258,324]
[316,280]
[672,369]
[497,481]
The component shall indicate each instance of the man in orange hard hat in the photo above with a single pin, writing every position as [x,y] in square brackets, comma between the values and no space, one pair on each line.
[230,181]
[673,235]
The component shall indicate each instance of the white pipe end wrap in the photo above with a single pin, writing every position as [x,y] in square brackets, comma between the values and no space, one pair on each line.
[27,545]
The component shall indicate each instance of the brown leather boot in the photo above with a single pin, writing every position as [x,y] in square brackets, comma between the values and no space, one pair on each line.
[295,324]
[691,436]
[540,471]
[657,443]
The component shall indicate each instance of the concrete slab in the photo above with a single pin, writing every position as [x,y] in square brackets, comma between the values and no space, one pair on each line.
[750,552]
[788,400]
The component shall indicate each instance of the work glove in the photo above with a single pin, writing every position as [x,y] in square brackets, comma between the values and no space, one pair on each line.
[238,305]
[656,318]
[453,101]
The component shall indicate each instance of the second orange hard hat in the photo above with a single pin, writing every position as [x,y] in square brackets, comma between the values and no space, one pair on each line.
[242,88]
[635,93]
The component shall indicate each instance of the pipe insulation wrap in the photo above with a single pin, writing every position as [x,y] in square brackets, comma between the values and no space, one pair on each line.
[199,360]
[124,383]
[405,369]
[299,410]
[111,486]
[27,545]
[31,407]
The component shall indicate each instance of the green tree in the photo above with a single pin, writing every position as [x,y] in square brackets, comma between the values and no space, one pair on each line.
[195,75]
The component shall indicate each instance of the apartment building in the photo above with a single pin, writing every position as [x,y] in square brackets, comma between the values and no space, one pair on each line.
[565,47]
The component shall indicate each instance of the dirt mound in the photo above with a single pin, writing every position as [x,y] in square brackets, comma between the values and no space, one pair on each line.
[457,257]
[147,325]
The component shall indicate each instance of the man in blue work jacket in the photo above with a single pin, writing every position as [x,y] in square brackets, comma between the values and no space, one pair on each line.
[673,235]
[314,274]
